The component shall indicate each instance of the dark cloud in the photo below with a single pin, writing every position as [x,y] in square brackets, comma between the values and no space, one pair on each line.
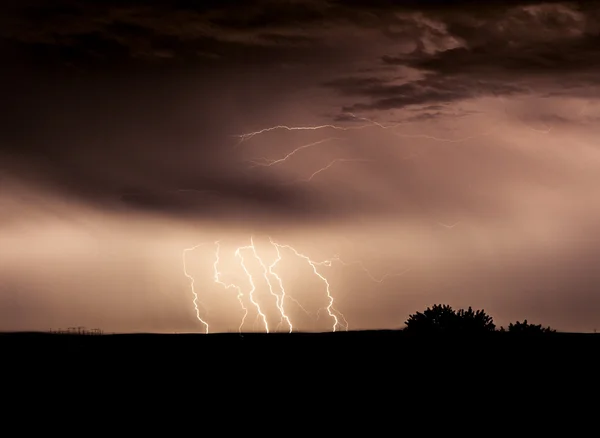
[441,6]
[483,61]
[116,34]
[432,89]
[490,54]
[75,32]
[558,43]
[501,61]
[425,116]
[260,15]
[291,40]
[118,107]
[245,200]
[353,86]
[121,145]
[190,35]
[346,118]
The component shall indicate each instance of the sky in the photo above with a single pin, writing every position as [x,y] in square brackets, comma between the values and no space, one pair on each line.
[415,152]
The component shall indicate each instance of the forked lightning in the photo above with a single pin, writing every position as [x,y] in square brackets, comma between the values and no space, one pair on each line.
[274,283]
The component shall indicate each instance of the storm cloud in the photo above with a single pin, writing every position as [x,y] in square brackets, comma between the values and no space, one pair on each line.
[452,138]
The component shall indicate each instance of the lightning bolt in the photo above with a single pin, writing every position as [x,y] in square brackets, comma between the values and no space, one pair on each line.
[281,301]
[249,135]
[332,312]
[269,272]
[370,124]
[374,123]
[217,279]
[267,163]
[195,301]
[369,274]
[238,253]
[447,140]
[450,226]
[264,162]
[331,164]
[300,306]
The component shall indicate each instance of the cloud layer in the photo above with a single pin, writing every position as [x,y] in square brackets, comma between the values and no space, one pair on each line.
[455,139]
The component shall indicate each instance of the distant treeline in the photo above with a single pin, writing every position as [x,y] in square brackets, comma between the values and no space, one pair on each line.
[444,319]
[439,318]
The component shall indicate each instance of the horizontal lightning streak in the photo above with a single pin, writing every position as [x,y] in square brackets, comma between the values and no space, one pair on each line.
[337,160]
[369,274]
[249,135]
[267,162]
[446,140]
[373,122]
[450,226]
[370,124]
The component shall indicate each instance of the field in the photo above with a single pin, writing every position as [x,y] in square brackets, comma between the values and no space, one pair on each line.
[317,366]
[353,344]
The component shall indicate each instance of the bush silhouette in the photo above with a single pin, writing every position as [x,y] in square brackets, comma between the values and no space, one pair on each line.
[526,328]
[444,319]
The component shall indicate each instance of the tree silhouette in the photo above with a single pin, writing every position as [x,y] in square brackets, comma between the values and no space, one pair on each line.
[475,321]
[526,328]
[444,319]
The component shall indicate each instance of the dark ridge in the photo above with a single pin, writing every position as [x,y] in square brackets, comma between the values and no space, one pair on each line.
[300,364]
[292,337]
[385,352]
[383,342]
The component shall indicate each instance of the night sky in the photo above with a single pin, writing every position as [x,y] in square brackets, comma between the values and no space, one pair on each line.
[448,154]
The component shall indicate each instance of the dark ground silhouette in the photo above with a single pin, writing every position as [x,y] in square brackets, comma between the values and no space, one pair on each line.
[441,354]
[438,331]
[317,359]
[444,361]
